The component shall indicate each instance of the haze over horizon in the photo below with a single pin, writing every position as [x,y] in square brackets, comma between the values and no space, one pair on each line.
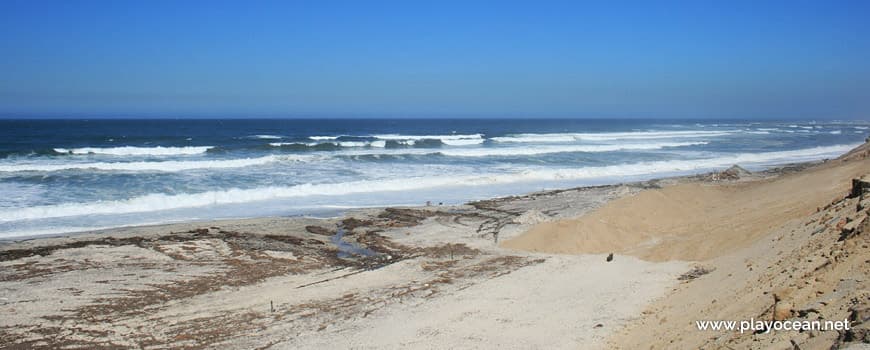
[675,59]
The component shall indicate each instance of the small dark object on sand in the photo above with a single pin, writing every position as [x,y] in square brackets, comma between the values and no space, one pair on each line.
[694,273]
[610,257]
[199,231]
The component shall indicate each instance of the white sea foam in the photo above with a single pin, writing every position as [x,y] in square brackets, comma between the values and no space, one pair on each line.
[861,127]
[157,201]
[514,151]
[279,144]
[537,138]
[161,166]
[836,132]
[353,144]
[533,150]
[607,136]
[395,137]
[321,138]
[347,144]
[137,151]
[55,231]
[266,137]
[462,142]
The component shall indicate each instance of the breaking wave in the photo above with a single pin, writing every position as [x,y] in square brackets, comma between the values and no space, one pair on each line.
[320,138]
[329,145]
[396,137]
[524,151]
[137,151]
[607,136]
[158,201]
[162,166]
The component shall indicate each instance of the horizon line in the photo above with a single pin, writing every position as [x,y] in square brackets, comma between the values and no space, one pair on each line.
[403,117]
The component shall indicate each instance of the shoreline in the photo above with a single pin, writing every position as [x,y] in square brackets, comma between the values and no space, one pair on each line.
[439,276]
[73,216]
[334,214]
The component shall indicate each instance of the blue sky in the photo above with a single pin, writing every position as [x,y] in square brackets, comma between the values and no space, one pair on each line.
[680,59]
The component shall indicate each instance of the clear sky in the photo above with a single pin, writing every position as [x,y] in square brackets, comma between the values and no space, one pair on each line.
[704,59]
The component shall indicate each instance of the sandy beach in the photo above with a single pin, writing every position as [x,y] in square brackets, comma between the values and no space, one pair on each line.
[529,271]
[275,175]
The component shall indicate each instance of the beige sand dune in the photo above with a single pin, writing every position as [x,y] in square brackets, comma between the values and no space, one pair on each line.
[693,221]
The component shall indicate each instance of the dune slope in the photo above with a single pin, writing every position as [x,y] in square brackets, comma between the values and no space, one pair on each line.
[694,221]
[794,247]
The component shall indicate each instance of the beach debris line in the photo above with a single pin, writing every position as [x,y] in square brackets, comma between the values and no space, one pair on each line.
[694,273]
[404,217]
[495,217]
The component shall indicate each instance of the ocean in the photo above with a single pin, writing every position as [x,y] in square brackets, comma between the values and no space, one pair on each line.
[60,176]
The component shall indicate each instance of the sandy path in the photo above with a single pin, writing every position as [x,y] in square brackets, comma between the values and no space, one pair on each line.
[555,305]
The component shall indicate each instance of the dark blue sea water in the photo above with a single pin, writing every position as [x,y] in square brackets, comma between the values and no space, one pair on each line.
[73,175]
